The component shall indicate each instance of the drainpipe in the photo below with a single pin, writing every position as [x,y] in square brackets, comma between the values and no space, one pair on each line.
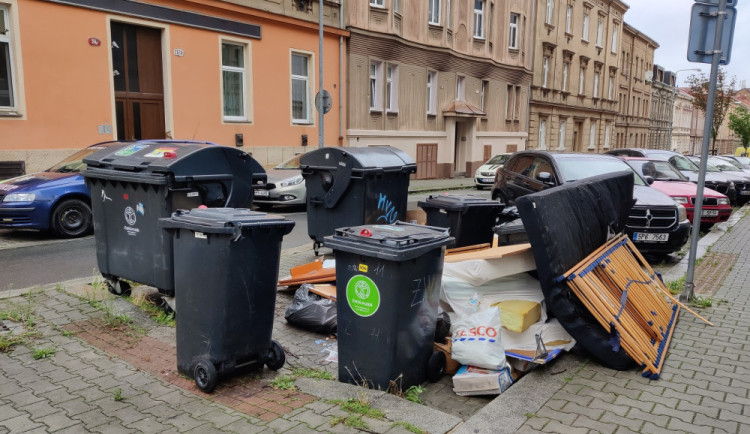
[341,74]
[528,87]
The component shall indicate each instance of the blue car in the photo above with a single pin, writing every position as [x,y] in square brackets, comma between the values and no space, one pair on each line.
[56,200]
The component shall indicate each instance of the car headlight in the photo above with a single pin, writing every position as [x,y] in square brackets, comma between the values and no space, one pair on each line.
[292,181]
[680,199]
[681,213]
[723,201]
[477,174]
[20,197]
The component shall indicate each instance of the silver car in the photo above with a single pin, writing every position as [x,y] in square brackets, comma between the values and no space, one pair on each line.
[485,174]
[285,185]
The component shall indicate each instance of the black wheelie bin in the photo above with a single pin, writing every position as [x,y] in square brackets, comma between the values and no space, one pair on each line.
[354,186]
[387,291]
[135,184]
[469,218]
[226,268]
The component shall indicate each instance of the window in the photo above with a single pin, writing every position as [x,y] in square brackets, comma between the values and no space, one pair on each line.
[568,18]
[434,12]
[509,103]
[566,67]
[300,88]
[376,86]
[517,101]
[461,88]
[6,61]
[448,13]
[483,95]
[431,92]
[614,39]
[233,81]
[545,71]
[561,139]
[548,16]
[378,3]
[596,84]
[585,35]
[592,136]
[513,35]
[542,134]
[610,87]
[396,6]
[479,19]
[599,32]
[391,88]
[581,76]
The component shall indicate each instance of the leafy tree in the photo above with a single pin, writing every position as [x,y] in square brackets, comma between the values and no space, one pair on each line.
[739,122]
[698,89]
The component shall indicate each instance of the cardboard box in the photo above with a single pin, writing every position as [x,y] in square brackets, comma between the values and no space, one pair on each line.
[451,366]
[470,380]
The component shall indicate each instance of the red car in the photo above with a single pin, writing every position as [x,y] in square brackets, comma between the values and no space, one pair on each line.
[663,177]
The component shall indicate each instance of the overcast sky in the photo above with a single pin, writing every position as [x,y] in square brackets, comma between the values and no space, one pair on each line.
[668,21]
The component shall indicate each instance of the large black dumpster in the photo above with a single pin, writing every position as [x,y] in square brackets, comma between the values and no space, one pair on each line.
[387,290]
[134,184]
[469,218]
[226,268]
[354,186]
[511,232]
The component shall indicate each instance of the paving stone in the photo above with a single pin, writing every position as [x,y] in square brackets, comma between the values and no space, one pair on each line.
[556,427]
[57,421]
[565,418]
[575,408]
[183,422]
[636,413]
[632,424]
[717,424]
[282,425]
[75,406]
[245,426]
[680,425]
[601,427]
[149,425]
[39,409]
[20,423]
[625,401]
[112,428]
[311,419]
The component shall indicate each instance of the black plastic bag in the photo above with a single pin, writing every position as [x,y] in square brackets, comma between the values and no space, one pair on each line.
[312,312]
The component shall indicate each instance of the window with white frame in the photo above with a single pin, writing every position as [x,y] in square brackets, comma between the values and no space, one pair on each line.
[448,13]
[301,113]
[378,3]
[461,88]
[581,77]
[376,86]
[542,133]
[479,19]
[599,32]
[433,12]
[545,70]
[550,9]
[483,95]
[513,32]
[592,136]
[607,132]
[561,138]
[431,92]
[566,67]
[397,6]
[7,98]
[614,39]
[233,79]
[596,84]
[585,35]
[610,87]
[568,18]
[391,88]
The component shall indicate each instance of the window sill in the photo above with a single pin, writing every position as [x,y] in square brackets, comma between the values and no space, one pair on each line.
[376,111]
[437,26]
[431,115]
[392,112]
[237,121]
[302,123]
[514,49]
[479,39]
[584,42]
[10,114]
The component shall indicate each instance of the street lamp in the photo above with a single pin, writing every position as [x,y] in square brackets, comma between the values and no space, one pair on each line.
[671,111]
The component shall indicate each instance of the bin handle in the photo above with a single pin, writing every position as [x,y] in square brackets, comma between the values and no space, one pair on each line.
[340,183]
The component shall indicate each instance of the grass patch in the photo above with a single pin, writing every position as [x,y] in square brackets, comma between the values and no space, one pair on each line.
[317,374]
[676,286]
[529,415]
[412,394]
[21,312]
[43,353]
[409,427]
[156,313]
[351,421]
[67,333]
[702,302]
[9,341]
[357,408]
[118,395]
[283,382]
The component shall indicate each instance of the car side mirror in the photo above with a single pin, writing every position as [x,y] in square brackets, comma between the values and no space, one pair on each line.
[649,180]
[544,177]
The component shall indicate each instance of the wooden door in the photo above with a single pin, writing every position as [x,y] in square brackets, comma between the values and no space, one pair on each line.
[487,153]
[427,161]
[138,82]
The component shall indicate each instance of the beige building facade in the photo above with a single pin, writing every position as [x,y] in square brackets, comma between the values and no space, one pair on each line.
[447,81]
[682,122]
[633,119]
[662,96]
[576,58]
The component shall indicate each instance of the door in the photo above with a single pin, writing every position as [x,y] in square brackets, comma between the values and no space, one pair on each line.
[138,82]
[459,150]
[427,161]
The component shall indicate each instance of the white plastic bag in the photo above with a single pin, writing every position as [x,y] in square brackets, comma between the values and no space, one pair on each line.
[477,342]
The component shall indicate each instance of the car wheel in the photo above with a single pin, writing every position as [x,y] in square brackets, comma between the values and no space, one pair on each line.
[263,206]
[72,218]
[480,187]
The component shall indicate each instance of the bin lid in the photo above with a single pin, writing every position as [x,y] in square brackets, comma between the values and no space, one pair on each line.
[224,220]
[362,158]
[396,242]
[459,202]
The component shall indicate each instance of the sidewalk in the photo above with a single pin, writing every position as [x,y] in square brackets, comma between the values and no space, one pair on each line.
[98,359]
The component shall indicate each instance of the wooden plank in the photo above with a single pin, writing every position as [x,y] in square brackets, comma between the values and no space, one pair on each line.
[325,291]
[491,253]
[318,276]
[303,269]
[467,248]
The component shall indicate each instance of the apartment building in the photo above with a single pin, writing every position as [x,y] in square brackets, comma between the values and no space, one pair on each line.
[239,73]
[446,81]
[661,113]
[682,123]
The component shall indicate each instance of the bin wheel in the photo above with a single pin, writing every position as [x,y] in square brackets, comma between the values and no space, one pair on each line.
[205,376]
[316,248]
[117,286]
[436,366]
[276,356]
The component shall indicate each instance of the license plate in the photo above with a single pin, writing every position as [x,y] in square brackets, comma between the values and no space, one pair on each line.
[709,212]
[488,179]
[263,193]
[745,192]
[642,236]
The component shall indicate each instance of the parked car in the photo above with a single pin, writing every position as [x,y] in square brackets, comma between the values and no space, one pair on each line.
[732,161]
[744,161]
[657,225]
[285,185]
[485,175]
[665,178]
[716,180]
[740,179]
[55,200]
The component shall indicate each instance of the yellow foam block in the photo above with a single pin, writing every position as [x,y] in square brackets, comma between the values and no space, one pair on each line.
[518,315]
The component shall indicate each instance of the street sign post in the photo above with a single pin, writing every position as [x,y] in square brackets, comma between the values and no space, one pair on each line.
[323,101]
[703,21]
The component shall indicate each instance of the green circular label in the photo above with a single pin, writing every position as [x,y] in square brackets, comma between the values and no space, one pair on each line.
[362,295]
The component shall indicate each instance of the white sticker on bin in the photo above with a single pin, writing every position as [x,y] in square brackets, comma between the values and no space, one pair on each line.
[200,235]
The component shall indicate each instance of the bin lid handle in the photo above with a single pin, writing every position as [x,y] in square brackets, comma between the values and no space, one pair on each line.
[340,182]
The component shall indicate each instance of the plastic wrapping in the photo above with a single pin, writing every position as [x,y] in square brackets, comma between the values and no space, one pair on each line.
[311,311]
[564,225]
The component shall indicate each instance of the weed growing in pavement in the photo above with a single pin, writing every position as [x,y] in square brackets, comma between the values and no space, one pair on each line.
[118,395]
[356,409]
[155,312]
[412,394]
[676,286]
[283,382]
[67,333]
[9,341]
[529,415]
[409,427]
[317,374]
[43,353]
[702,302]
[351,422]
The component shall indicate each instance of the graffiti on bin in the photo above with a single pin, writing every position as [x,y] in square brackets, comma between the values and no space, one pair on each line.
[388,209]
[422,286]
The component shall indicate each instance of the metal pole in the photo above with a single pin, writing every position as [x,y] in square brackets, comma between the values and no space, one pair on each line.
[320,75]
[671,114]
[688,291]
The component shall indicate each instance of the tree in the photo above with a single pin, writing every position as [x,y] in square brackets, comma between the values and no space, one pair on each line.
[739,122]
[698,89]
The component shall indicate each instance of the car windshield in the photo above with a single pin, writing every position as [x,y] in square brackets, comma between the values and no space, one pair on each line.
[573,169]
[292,163]
[659,170]
[726,164]
[498,159]
[709,167]
[683,163]
[743,160]
[74,163]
